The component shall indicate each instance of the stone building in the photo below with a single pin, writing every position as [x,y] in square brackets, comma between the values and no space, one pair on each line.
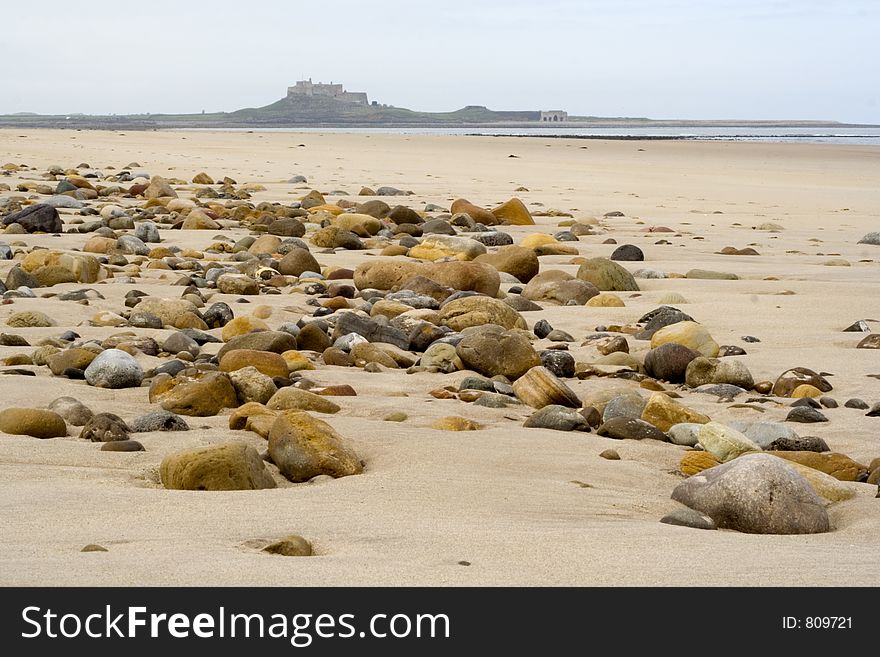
[553,116]
[336,91]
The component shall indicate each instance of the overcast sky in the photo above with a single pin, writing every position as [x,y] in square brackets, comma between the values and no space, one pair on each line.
[770,59]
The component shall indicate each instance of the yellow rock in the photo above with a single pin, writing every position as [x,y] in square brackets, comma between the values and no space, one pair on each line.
[806,390]
[266,362]
[179,204]
[663,412]
[514,213]
[242,326]
[690,334]
[327,207]
[202,179]
[99,244]
[240,415]
[297,361]
[605,300]
[537,239]
[455,423]
[697,461]
[198,220]
[362,225]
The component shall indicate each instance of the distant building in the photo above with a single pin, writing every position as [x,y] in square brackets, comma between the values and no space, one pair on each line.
[553,116]
[309,88]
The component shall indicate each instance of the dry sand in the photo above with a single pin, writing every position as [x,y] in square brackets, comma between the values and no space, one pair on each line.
[502,498]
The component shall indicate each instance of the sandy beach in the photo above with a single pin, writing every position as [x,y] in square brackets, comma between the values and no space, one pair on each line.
[504,505]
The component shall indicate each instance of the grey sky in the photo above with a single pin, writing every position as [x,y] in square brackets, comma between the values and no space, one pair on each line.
[770,59]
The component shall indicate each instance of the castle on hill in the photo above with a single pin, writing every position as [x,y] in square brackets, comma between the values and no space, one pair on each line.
[335,91]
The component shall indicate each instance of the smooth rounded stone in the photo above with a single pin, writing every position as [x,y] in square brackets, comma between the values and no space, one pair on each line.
[694,462]
[312,337]
[796,376]
[869,342]
[491,350]
[298,261]
[465,312]
[871,238]
[721,390]
[34,422]
[617,344]
[558,418]
[366,352]
[856,403]
[609,454]
[496,238]
[436,246]
[138,319]
[828,402]
[515,260]
[179,342]
[73,358]
[805,414]
[67,202]
[266,362]
[874,410]
[806,401]
[629,405]
[707,274]
[290,546]
[443,357]
[669,361]
[455,423]
[104,428]
[201,394]
[11,340]
[806,390]
[388,274]
[437,227]
[126,445]
[649,273]
[539,387]
[704,371]
[764,434]
[513,212]
[664,412]
[685,433]
[413,300]
[839,466]
[607,276]
[628,252]
[237,284]
[493,400]
[158,421]
[287,227]
[726,350]
[476,383]
[217,315]
[304,447]
[232,466]
[521,304]
[147,232]
[29,319]
[660,318]
[71,410]
[114,368]
[725,443]
[542,328]
[291,398]
[795,443]
[560,363]
[275,341]
[40,217]
[559,287]
[687,517]
[131,245]
[621,428]
[251,385]
[689,334]
[171,311]
[756,494]
[348,341]
[171,367]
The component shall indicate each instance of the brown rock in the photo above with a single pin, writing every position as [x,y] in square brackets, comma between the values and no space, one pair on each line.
[233,466]
[304,447]
[270,364]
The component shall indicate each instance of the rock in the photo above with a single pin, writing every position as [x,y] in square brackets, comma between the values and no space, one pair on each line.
[114,368]
[369,329]
[366,352]
[233,466]
[237,284]
[159,188]
[685,433]
[158,421]
[685,517]
[29,319]
[856,403]
[805,414]
[660,318]
[32,422]
[756,494]
[670,361]
[266,362]
[435,247]
[179,342]
[38,218]
[763,434]
[513,213]
[663,412]
[695,462]
[172,312]
[858,327]
[492,351]
[559,363]
[298,261]
[610,454]
[622,428]
[243,325]
[874,411]
[725,443]
[706,274]
[629,405]
[795,443]
[292,398]
[558,418]
[455,423]
[617,344]
[839,466]
[689,334]
[806,390]
[607,275]
[705,371]
[791,379]
[202,394]
[304,447]
[517,261]
[559,287]
[628,253]
[869,342]
[459,275]
[73,358]
[122,446]
[275,341]
[871,238]
[251,385]
[441,356]
[460,314]
[104,428]
[204,179]
[290,546]
[71,410]
[605,300]
[287,227]
[476,213]
[539,387]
